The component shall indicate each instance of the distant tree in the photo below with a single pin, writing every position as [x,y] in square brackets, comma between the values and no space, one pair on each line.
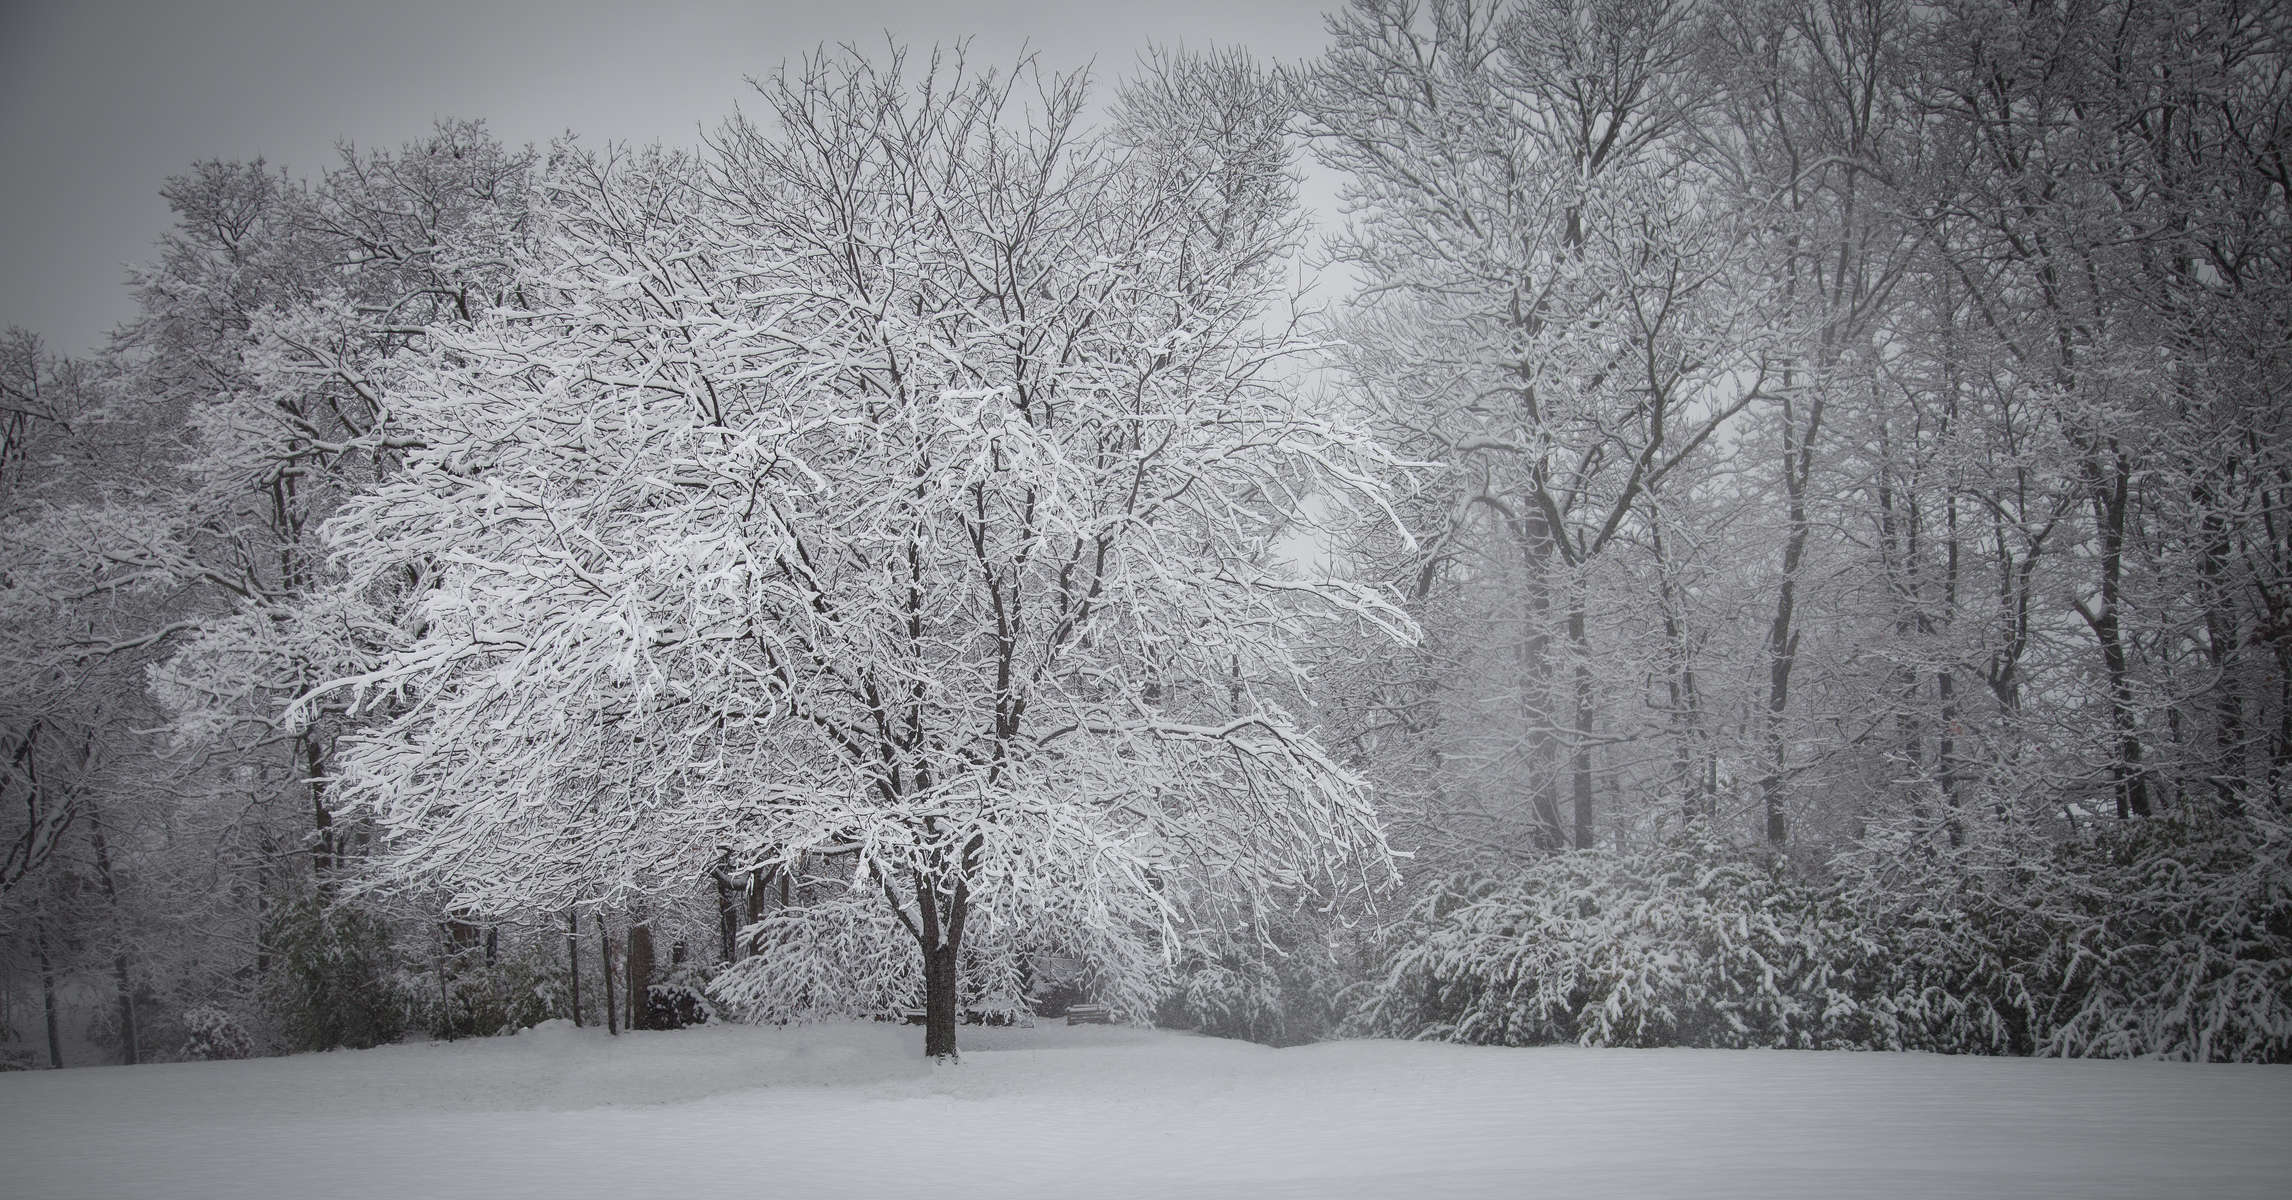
[1553,316]
[160,503]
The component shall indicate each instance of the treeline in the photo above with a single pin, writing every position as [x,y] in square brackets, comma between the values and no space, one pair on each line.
[1860,518]
[1843,481]
[163,498]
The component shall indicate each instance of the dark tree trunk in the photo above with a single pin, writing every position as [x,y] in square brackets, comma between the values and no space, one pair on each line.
[2109,488]
[1690,755]
[639,962]
[727,910]
[130,1052]
[756,898]
[48,993]
[445,994]
[1782,632]
[573,960]
[939,1002]
[938,932]
[322,853]
[1946,687]
[1580,733]
[263,906]
[1534,665]
[1945,679]
[605,955]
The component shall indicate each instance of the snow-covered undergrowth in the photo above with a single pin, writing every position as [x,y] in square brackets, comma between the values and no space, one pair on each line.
[852,1110]
[2168,939]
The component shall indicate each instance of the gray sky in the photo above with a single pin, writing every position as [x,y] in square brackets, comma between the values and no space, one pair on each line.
[101,100]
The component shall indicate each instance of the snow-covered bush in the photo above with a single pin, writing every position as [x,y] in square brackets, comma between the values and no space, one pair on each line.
[332,978]
[840,956]
[1280,988]
[211,1034]
[519,989]
[1683,946]
[2174,940]
[2169,937]
[680,998]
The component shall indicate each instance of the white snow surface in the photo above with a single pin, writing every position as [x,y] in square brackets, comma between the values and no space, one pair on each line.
[1085,1113]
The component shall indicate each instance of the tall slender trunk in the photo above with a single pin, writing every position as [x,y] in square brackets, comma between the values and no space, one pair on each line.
[2230,761]
[755,894]
[1535,675]
[130,1052]
[1782,632]
[1946,678]
[323,852]
[1691,766]
[605,956]
[1580,732]
[573,959]
[1898,556]
[728,897]
[639,964]
[262,874]
[445,960]
[2110,488]
[48,991]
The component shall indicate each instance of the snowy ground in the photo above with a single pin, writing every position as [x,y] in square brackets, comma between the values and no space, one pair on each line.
[1087,1113]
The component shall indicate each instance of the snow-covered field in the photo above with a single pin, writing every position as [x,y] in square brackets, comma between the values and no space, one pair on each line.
[1086,1113]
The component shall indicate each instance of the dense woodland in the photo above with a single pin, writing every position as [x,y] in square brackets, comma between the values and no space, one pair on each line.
[1778,534]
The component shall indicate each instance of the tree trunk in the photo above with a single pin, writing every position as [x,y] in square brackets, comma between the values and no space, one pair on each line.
[639,963]
[1946,688]
[48,992]
[130,1052]
[322,853]
[727,910]
[573,960]
[445,993]
[2108,474]
[939,1002]
[605,955]
[1536,683]
[1580,753]
[1691,760]
[755,893]
[1782,634]
[939,934]
[269,853]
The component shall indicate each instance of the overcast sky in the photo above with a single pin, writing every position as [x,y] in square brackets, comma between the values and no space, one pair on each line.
[101,100]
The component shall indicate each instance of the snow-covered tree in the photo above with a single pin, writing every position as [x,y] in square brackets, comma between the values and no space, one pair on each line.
[265,320]
[161,502]
[893,480]
[1555,315]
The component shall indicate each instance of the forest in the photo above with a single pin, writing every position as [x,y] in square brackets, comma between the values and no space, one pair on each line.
[1746,525]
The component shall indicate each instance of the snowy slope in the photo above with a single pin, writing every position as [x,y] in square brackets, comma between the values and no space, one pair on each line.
[1093,1112]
